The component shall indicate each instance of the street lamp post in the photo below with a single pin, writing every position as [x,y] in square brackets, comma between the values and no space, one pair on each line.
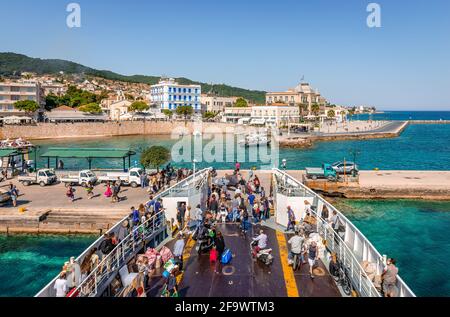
[289,125]
[354,153]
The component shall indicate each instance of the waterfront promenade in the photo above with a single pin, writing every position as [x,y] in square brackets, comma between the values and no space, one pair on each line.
[361,130]
[48,210]
[352,126]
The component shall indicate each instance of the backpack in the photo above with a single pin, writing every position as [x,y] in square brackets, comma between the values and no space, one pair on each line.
[105,247]
[226,256]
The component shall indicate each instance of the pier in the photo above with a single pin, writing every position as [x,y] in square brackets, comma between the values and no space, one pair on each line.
[48,210]
[429,121]
[390,129]
[427,185]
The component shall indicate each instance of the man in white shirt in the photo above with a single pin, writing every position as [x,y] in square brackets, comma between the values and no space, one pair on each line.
[61,285]
[178,250]
[296,243]
[335,221]
[261,242]
[198,216]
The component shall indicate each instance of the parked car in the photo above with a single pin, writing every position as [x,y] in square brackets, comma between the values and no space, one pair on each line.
[43,177]
[132,177]
[326,171]
[79,178]
[349,167]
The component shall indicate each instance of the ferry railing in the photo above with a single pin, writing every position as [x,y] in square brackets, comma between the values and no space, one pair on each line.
[134,241]
[337,243]
[48,290]
[119,256]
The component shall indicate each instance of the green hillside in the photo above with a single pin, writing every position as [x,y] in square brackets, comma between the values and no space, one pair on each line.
[13,64]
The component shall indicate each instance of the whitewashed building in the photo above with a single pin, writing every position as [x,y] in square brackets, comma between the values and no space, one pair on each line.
[215,103]
[276,114]
[169,94]
[11,92]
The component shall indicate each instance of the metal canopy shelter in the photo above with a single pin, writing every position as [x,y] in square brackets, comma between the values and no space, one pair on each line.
[89,154]
[8,152]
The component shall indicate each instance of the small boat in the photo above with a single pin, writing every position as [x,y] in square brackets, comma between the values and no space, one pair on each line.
[255,140]
[15,144]
[196,133]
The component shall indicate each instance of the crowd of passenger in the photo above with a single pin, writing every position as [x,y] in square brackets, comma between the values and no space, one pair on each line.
[238,199]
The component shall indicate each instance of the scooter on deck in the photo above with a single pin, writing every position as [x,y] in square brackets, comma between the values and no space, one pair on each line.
[264,255]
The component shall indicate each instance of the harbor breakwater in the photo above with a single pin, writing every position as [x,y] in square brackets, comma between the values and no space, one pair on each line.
[307,141]
[429,121]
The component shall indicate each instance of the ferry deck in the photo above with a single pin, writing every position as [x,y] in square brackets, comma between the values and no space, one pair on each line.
[243,276]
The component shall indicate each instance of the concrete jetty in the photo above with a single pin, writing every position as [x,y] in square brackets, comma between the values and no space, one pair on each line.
[429,121]
[389,130]
[427,185]
[47,210]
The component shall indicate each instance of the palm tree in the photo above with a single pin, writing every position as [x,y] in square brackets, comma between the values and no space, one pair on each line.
[184,111]
[315,109]
[331,114]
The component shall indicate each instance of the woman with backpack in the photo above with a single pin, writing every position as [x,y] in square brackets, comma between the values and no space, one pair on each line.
[70,193]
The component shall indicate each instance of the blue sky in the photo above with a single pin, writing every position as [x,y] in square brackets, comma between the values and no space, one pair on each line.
[262,44]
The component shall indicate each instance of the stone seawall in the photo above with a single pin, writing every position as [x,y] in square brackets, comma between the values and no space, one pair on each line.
[96,129]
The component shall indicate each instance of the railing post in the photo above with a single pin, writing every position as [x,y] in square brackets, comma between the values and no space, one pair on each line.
[95,283]
[123,249]
[360,282]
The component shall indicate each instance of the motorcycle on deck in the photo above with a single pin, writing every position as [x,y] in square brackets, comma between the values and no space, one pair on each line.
[264,255]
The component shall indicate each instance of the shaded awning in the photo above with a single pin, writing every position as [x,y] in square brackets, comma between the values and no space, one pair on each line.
[8,152]
[88,153]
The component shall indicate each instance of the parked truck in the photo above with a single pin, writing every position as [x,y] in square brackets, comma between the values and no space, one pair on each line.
[81,178]
[43,177]
[326,171]
[132,177]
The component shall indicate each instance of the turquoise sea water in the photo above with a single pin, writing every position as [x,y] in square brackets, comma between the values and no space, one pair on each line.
[420,147]
[413,232]
[28,263]
[406,115]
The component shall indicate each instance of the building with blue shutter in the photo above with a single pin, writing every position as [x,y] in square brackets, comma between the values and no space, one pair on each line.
[168,94]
